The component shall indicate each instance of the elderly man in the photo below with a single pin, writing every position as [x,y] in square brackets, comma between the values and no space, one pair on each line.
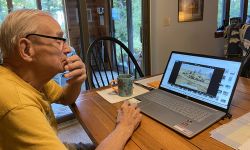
[34,51]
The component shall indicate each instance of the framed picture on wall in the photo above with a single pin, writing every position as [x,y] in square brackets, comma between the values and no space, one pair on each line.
[190,10]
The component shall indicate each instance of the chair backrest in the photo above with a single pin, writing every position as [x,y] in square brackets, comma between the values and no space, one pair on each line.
[245,46]
[1,57]
[108,57]
[245,71]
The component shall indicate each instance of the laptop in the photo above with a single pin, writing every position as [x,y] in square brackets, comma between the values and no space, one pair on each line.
[195,92]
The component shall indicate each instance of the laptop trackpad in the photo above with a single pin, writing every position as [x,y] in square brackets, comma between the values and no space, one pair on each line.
[161,114]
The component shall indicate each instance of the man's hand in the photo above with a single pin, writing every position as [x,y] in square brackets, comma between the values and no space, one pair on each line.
[129,117]
[76,74]
[76,68]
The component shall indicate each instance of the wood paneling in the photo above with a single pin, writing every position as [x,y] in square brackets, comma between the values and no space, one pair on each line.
[95,29]
[73,24]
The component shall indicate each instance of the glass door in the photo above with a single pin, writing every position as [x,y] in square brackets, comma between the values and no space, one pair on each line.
[126,24]
[121,19]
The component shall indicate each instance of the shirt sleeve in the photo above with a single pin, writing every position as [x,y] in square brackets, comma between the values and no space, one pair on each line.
[27,128]
[53,91]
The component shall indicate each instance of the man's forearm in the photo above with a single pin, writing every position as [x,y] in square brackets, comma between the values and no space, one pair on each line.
[116,140]
[70,94]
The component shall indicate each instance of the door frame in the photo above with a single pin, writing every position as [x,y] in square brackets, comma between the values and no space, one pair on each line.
[145,36]
[83,22]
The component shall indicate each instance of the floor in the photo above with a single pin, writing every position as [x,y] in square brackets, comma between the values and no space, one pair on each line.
[72,132]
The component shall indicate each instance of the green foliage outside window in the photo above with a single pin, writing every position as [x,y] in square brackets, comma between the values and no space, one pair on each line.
[121,23]
[3,10]
[24,4]
[220,13]
[121,31]
[235,8]
[55,8]
[248,9]
[137,20]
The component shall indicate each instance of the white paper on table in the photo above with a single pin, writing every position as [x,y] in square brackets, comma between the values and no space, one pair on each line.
[145,82]
[133,101]
[112,97]
[245,146]
[235,133]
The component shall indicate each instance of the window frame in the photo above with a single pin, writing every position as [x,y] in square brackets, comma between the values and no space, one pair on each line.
[226,15]
[226,11]
[10,7]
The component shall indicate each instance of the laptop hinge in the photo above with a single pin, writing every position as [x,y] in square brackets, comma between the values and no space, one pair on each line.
[228,115]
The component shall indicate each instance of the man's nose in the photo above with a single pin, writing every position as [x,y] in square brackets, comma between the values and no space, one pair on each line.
[66,49]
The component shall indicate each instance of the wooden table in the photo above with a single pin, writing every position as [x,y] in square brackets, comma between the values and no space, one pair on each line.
[97,116]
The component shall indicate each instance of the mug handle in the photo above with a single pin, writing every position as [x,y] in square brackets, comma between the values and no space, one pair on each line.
[112,83]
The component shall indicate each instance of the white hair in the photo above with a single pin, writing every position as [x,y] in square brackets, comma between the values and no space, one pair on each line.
[17,25]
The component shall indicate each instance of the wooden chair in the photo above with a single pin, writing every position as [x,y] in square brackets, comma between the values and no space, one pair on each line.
[245,46]
[108,57]
[245,71]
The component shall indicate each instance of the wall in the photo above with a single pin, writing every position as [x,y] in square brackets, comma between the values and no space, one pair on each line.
[197,36]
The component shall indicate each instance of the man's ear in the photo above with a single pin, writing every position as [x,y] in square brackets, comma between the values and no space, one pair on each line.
[25,49]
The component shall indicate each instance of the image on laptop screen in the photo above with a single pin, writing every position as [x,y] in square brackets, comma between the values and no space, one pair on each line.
[206,79]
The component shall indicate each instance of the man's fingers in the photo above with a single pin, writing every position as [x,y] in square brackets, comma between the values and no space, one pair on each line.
[74,66]
[73,58]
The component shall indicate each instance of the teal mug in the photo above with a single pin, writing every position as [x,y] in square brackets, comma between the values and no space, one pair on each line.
[125,85]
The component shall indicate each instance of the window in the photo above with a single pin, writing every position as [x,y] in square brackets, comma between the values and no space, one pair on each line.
[3,10]
[56,9]
[248,10]
[24,4]
[231,8]
[235,8]
[137,24]
[127,25]
[220,13]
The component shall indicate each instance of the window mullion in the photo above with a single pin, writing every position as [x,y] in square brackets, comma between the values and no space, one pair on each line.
[245,6]
[39,4]
[227,11]
[9,5]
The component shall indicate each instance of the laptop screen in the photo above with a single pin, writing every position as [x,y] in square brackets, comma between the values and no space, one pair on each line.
[206,79]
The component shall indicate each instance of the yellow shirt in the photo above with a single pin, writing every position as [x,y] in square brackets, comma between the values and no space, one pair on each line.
[26,119]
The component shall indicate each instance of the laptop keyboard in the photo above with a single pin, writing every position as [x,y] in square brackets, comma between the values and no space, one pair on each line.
[177,106]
